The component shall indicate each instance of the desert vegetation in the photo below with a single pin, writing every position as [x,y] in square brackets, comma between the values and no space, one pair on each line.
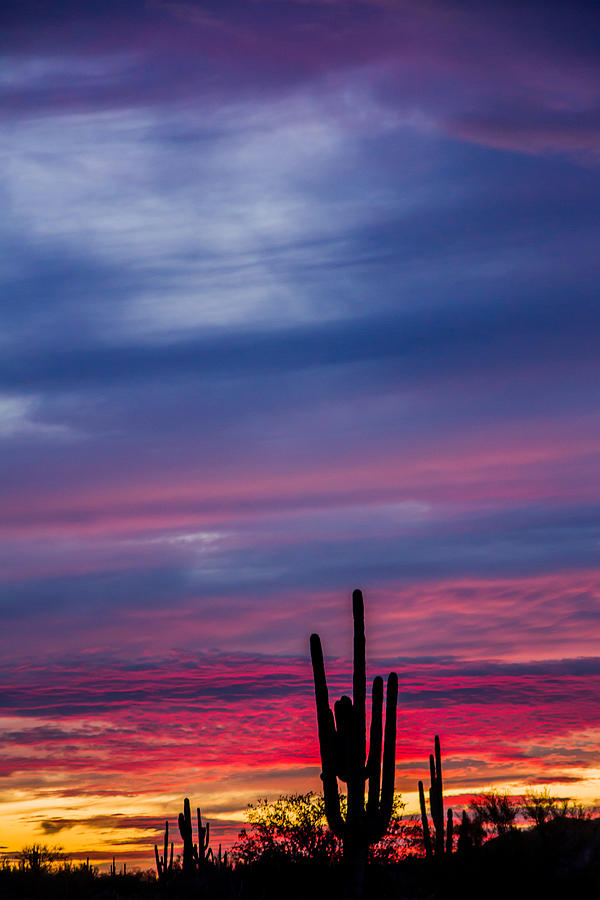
[350,842]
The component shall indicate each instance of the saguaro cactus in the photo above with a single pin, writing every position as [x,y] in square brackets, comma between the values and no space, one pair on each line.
[163,868]
[343,746]
[203,839]
[436,805]
[193,854]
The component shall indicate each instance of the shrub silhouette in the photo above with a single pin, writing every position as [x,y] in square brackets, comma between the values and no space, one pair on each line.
[294,828]
[39,857]
[541,807]
[495,812]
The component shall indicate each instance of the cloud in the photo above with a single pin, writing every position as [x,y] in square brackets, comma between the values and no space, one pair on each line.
[19,418]
[496,67]
[297,296]
[159,712]
[109,823]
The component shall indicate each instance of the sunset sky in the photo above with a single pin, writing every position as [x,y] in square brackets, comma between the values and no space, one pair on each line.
[298,296]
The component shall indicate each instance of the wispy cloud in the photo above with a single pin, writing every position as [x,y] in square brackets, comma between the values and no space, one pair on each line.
[296,297]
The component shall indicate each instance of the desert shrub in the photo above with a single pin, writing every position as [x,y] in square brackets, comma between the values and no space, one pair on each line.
[294,828]
[541,807]
[39,857]
[494,813]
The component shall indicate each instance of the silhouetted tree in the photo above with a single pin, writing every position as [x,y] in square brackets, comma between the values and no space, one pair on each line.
[398,841]
[494,811]
[294,828]
[541,807]
[39,857]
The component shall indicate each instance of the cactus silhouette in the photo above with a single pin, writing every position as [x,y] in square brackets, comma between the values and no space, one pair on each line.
[194,855]
[343,746]
[221,860]
[465,836]
[436,805]
[449,832]
[164,869]
[425,822]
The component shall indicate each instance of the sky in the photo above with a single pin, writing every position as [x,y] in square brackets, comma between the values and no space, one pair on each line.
[298,296]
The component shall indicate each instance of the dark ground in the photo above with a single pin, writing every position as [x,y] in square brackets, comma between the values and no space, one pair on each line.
[562,860]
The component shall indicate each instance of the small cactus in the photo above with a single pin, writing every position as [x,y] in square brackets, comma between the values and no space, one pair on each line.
[221,860]
[436,805]
[164,869]
[203,840]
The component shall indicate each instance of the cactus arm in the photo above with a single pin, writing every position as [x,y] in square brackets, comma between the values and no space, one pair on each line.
[379,827]
[343,737]
[425,822]
[439,786]
[389,752]
[438,759]
[374,760]
[359,677]
[439,799]
[166,845]
[203,837]
[327,735]
[158,862]
[325,725]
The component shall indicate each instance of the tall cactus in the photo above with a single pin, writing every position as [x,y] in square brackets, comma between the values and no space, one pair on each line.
[194,855]
[436,805]
[164,869]
[343,746]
